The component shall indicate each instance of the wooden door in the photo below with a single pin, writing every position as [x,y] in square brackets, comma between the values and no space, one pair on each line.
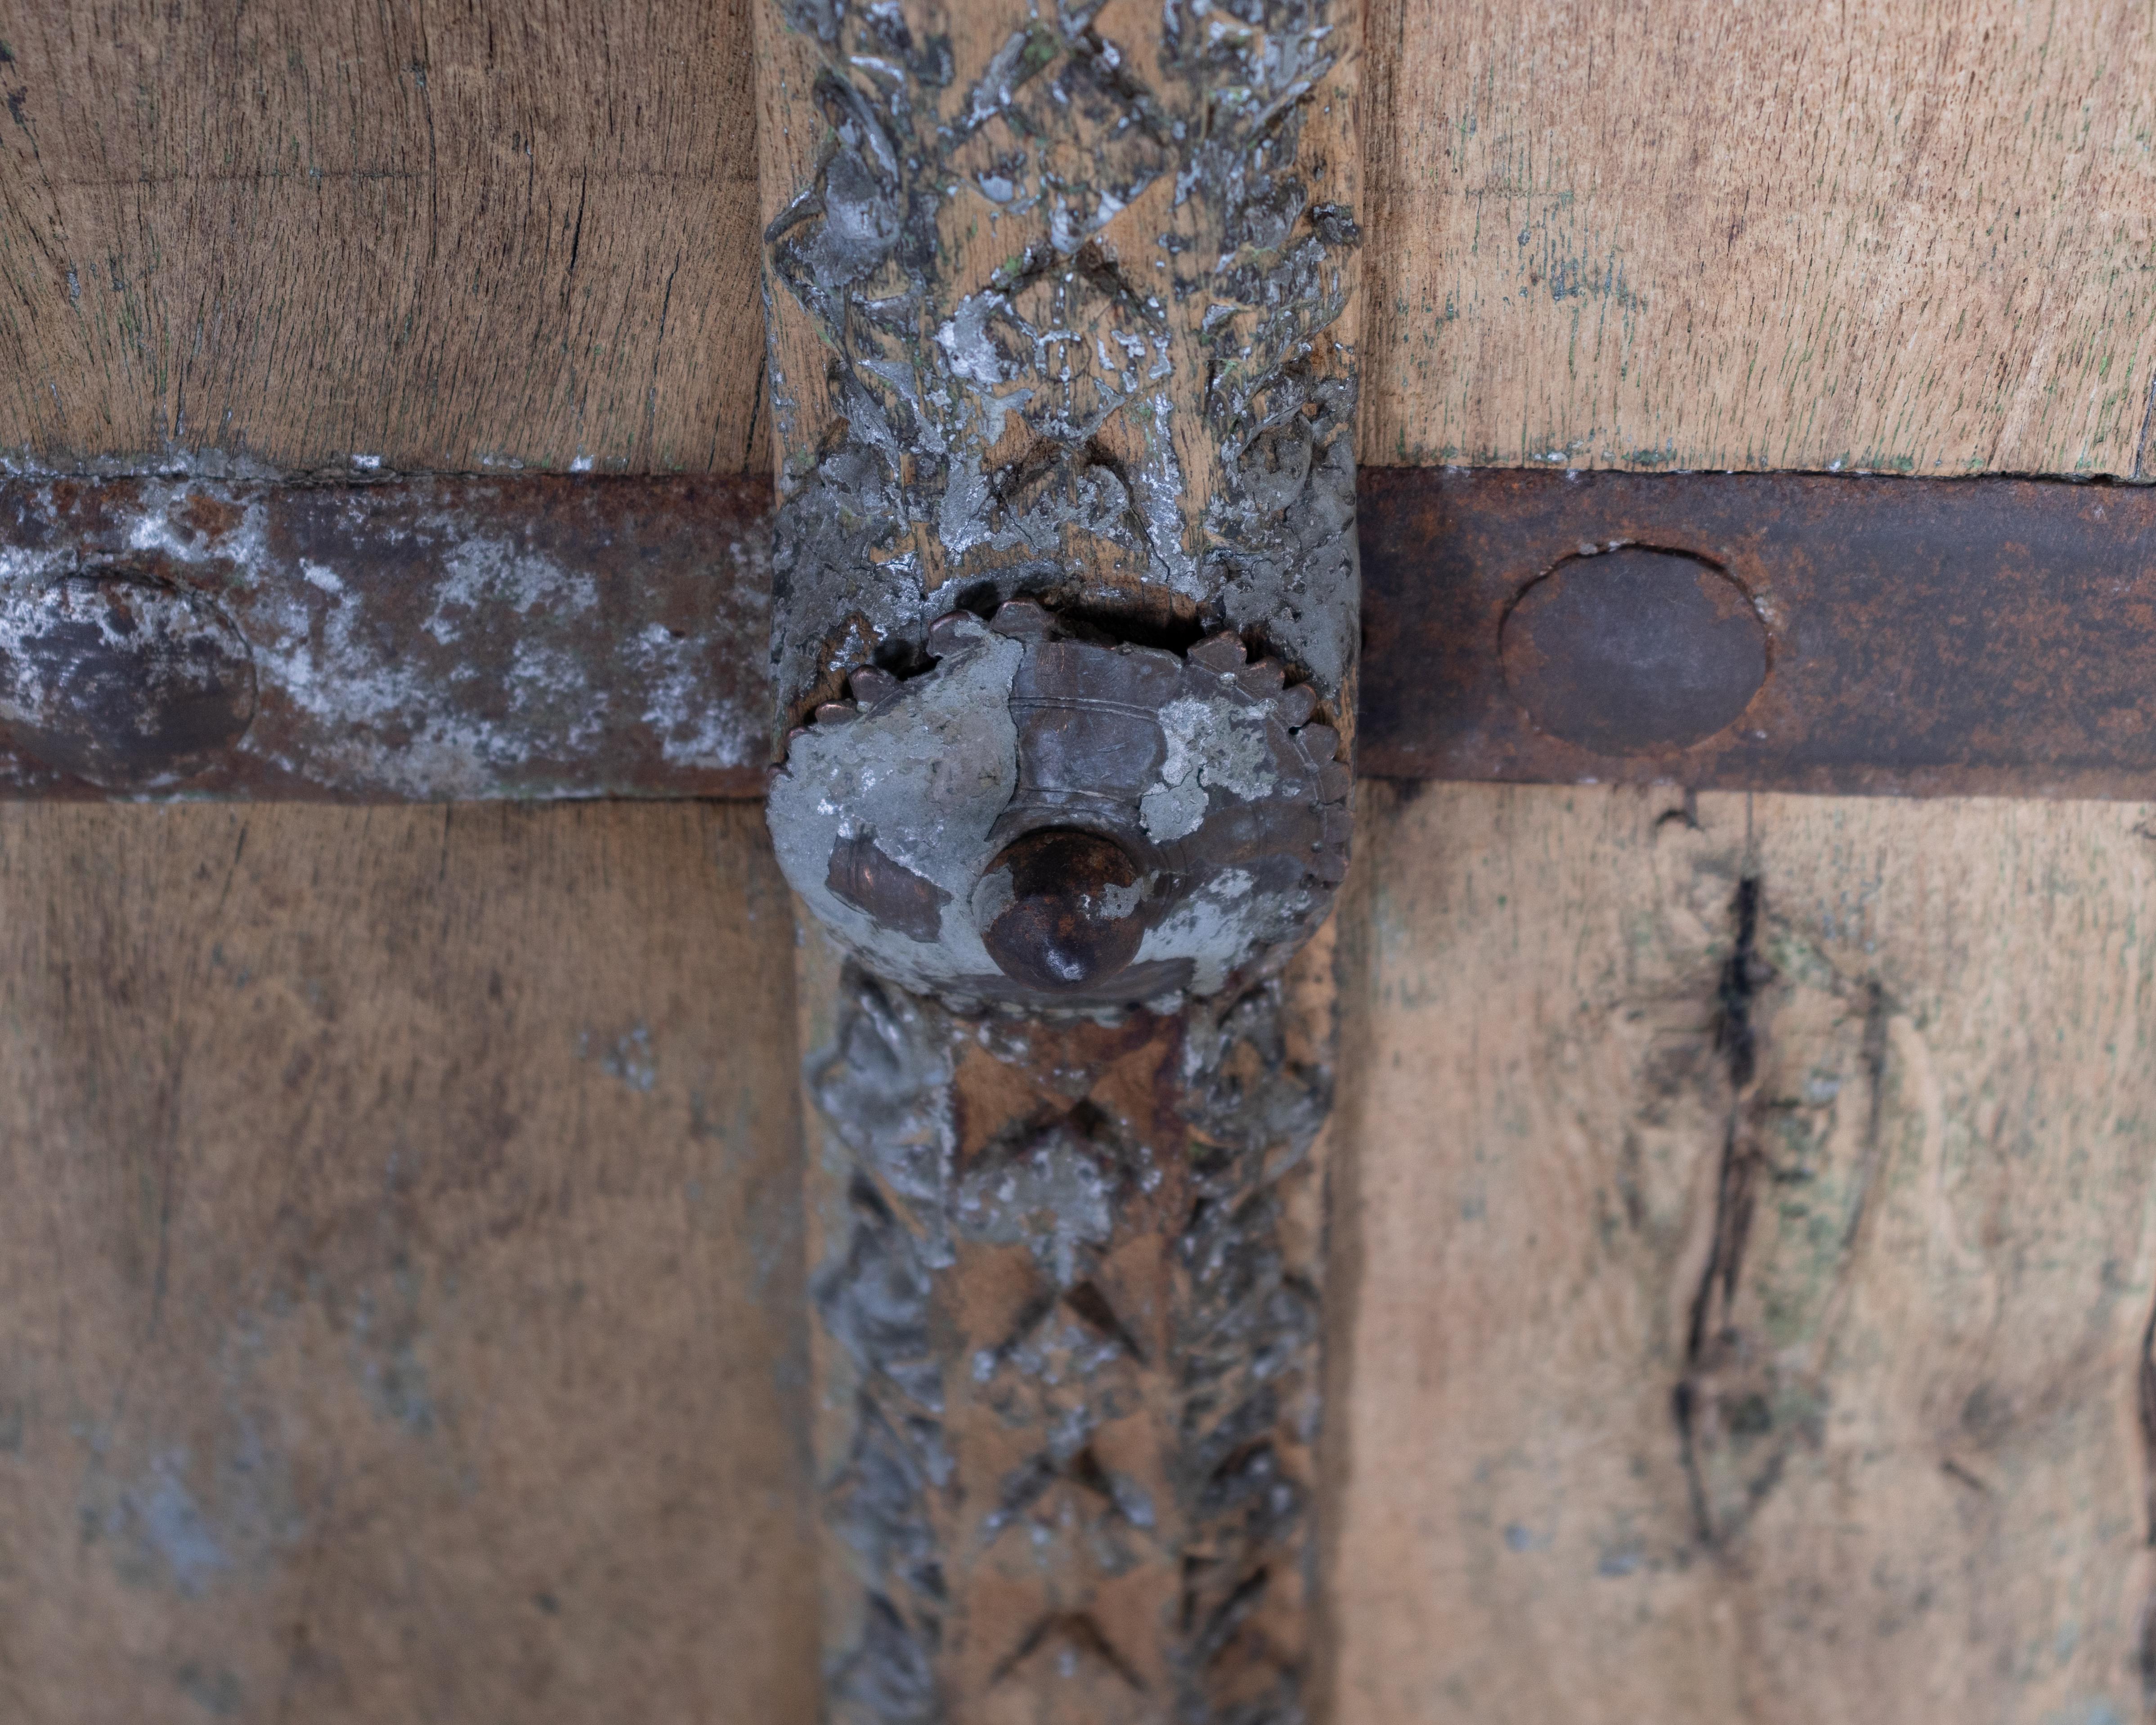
[1740,1211]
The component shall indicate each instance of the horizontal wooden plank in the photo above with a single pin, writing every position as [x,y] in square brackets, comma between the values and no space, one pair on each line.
[473,238]
[1909,238]
[1749,1282]
[401,1305]
[322,1327]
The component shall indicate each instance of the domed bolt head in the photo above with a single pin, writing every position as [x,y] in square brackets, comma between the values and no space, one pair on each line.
[1065,914]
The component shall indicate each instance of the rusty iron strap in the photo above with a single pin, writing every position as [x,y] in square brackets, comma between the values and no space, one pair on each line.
[1797,632]
[554,637]
[420,639]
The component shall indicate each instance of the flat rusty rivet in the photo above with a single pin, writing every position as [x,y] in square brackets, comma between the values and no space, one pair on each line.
[1633,651]
[1072,917]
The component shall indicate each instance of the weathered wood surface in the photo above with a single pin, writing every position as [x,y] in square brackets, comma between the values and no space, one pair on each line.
[1912,238]
[320,237]
[1741,1310]
[379,1345]
[400,1303]
[410,1380]
[1855,308]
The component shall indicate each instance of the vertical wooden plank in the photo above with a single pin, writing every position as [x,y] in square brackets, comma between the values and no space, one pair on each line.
[1508,1246]
[1752,1234]
[399,1300]
[1068,1279]
[1911,238]
[1922,1396]
[1065,310]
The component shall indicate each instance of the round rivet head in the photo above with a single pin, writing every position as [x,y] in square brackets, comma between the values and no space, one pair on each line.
[124,683]
[1061,908]
[1631,652]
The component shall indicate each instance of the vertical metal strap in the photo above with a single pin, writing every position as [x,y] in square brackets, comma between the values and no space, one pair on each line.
[1062,310]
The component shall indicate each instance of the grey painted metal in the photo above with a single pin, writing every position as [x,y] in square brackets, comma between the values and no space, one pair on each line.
[1207,771]
[1063,651]
[195,636]
[1135,426]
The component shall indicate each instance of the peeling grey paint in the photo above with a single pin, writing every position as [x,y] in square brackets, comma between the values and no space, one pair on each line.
[925,779]
[1051,1195]
[1239,1380]
[1205,770]
[1096,336]
[1072,311]
[422,639]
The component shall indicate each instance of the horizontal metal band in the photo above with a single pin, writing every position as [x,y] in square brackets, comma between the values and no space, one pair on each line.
[1924,637]
[559,637]
[414,640]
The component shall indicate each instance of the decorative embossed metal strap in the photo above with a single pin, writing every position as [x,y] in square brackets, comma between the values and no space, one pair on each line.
[1066,1284]
[1065,629]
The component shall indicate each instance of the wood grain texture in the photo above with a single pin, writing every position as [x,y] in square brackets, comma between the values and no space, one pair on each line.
[400,1298]
[462,237]
[1912,237]
[1749,1329]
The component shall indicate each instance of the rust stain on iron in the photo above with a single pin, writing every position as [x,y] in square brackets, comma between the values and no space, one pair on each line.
[549,637]
[865,877]
[125,683]
[1923,637]
[1072,915]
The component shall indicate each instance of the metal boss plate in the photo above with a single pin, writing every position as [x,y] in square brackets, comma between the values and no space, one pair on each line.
[1045,821]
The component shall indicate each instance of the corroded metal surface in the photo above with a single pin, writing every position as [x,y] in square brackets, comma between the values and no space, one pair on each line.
[1979,636]
[1631,650]
[418,639]
[1067,1282]
[124,684]
[1061,316]
[1196,812]
[1056,298]
[1922,637]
